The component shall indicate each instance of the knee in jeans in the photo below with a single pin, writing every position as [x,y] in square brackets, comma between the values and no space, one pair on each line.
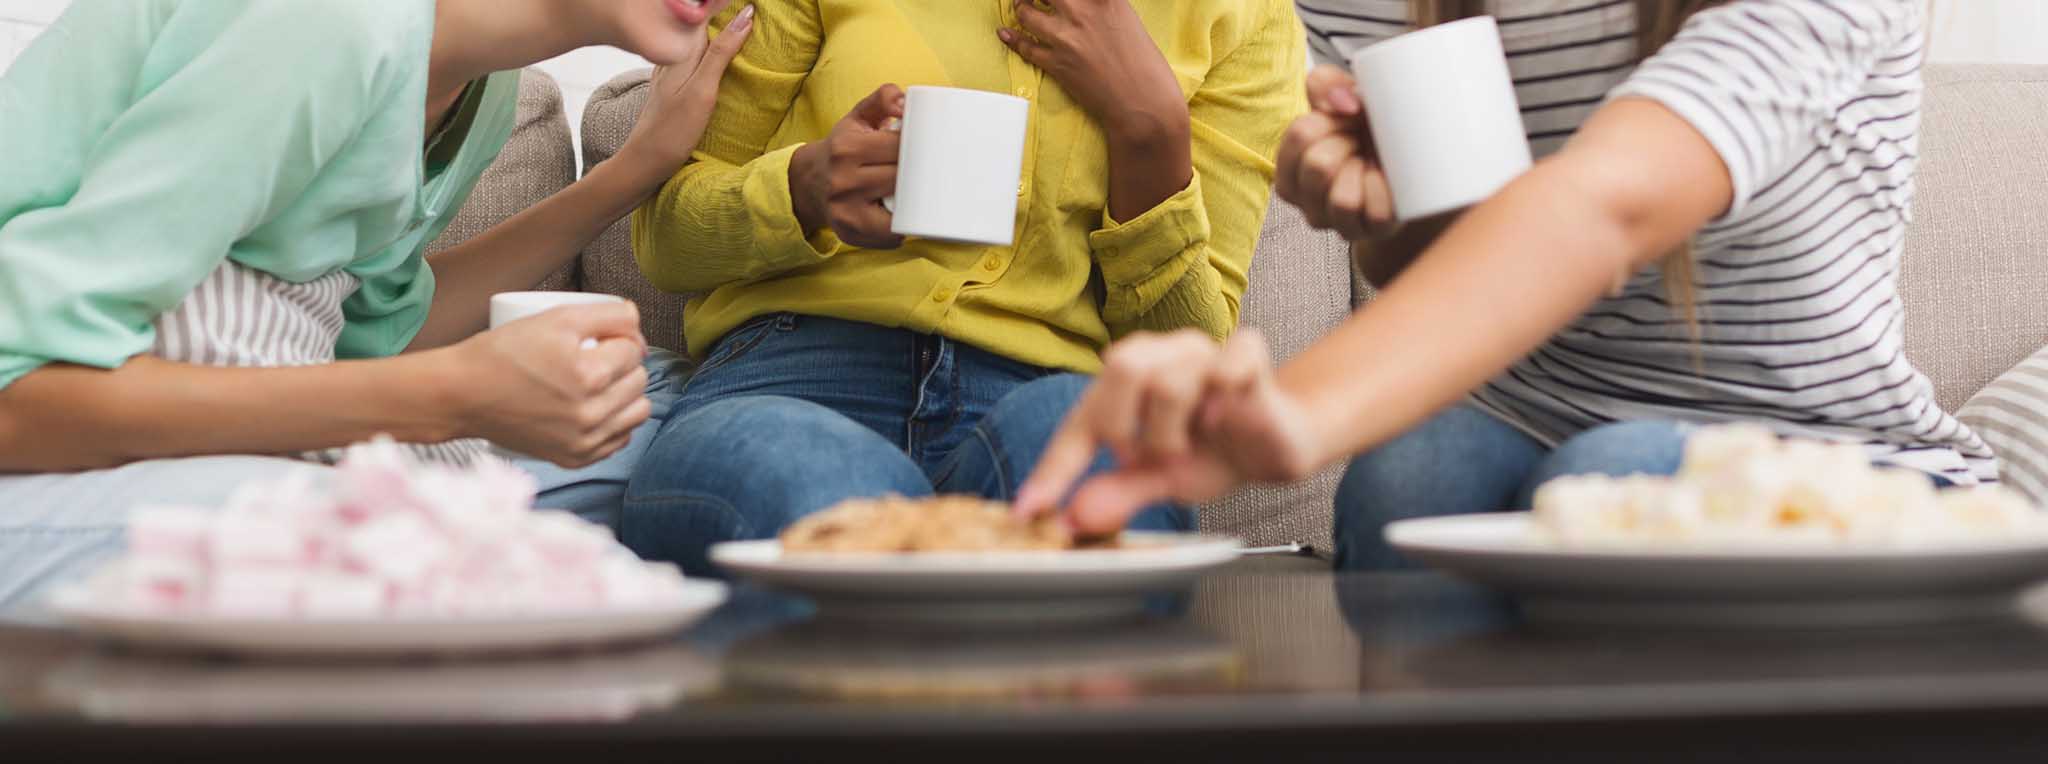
[774,455]
[1019,426]
[1029,414]
[1646,446]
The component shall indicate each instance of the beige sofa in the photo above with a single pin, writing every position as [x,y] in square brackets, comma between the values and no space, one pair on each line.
[1975,277]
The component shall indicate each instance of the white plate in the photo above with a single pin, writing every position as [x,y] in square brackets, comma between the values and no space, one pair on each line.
[1760,586]
[984,586]
[386,636]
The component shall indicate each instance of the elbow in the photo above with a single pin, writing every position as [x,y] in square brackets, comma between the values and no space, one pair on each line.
[1615,217]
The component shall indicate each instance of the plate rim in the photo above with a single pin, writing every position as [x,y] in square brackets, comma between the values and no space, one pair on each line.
[1402,535]
[1193,550]
[73,604]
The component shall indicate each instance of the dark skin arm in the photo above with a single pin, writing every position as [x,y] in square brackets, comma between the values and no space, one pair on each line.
[1099,51]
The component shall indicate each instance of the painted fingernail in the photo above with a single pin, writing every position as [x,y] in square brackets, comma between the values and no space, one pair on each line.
[747,13]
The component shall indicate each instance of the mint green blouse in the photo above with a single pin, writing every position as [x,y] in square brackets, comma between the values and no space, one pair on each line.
[144,141]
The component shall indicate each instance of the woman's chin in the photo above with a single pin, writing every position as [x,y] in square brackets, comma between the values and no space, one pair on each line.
[672,51]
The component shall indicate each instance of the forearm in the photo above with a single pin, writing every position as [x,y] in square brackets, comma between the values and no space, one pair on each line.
[1496,285]
[522,251]
[69,418]
[1382,259]
[1150,159]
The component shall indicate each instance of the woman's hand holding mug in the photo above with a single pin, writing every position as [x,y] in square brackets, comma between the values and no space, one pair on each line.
[1327,165]
[839,182]
[537,387]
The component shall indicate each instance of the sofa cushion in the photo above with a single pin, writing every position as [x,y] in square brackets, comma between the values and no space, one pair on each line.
[538,160]
[1976,263]
[1301,287]
[2011,414]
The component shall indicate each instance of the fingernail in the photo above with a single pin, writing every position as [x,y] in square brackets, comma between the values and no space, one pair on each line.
[746,16]
[1346,101]
[1004,34]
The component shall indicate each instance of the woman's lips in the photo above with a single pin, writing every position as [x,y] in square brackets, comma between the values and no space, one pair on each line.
[689,12]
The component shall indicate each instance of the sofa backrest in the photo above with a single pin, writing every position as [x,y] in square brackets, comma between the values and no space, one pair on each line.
[539,160]
[1975,278]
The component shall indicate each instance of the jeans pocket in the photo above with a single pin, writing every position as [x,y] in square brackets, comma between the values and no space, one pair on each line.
[744,338]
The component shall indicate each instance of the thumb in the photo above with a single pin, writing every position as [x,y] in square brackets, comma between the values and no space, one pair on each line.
[880,106]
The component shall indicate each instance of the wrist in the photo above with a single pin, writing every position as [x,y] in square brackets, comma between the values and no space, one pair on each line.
[426,393]
[1150,130]
[1322,435]
[640,168]
[806,173]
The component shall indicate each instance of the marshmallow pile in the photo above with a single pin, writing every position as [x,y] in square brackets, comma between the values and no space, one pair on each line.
[1742,485]
[381,536]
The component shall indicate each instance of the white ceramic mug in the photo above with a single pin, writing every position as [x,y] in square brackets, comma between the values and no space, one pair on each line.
[959,170]
[507,307]
[1444,116]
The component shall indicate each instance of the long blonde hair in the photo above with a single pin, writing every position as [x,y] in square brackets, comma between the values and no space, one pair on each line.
[1657,21]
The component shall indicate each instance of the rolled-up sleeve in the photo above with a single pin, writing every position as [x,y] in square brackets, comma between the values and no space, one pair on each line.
[1184,263]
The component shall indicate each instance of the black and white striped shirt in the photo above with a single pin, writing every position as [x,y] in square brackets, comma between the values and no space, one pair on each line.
[1814,105]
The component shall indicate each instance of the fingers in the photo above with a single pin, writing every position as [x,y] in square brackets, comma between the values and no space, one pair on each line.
[1246,360]
[882,147]
[1312,128]
[879,107]
[864,184]
[1331,90]
[1317,172]
[1032,51]
[611,320]
[1347,200]
[603,367]
[865,225]
[1041,24]
[723,50]
[1104,504]
[1065,459]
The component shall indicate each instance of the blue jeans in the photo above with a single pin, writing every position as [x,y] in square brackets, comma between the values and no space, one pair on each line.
[1465,461]
[792,414]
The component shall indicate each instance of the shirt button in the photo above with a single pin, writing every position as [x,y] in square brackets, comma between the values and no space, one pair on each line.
[942,295]
[992,264]
[1023,92]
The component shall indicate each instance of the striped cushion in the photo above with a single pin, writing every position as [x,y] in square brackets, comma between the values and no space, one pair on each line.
[2012,415]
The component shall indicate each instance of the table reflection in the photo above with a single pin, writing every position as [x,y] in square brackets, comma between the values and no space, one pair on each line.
[830,660]
[113,686]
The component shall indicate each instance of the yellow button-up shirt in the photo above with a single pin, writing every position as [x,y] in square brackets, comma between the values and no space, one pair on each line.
[724,227]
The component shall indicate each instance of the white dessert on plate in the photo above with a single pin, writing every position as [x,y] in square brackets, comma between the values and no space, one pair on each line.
[380,537]
[1740,485]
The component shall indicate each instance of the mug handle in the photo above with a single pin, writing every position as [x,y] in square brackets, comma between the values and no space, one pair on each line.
[894,125]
